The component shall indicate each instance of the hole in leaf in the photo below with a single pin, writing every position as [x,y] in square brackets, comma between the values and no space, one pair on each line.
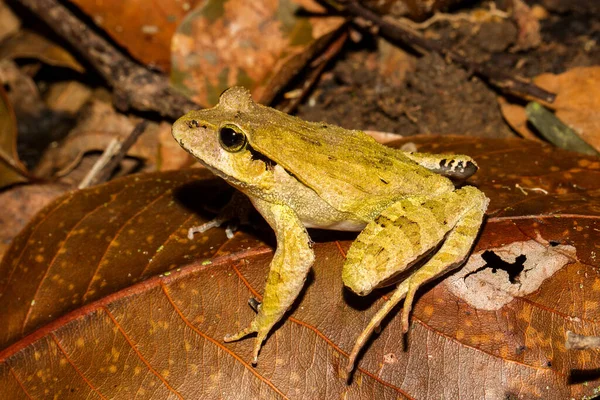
[495,263]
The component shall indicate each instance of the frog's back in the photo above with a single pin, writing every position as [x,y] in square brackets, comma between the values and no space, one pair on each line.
[347,168]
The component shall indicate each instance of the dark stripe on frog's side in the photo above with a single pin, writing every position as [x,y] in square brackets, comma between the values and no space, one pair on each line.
[307,139]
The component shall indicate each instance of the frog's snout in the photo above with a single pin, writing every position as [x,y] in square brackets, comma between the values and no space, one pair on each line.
[185,129]
[178,129]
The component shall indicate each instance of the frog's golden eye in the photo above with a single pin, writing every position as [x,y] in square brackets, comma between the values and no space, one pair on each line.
[231,139]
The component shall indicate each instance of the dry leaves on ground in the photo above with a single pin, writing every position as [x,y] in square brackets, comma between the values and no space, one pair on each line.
[259,45]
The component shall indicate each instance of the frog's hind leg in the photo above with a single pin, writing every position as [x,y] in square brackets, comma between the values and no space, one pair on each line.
[466,207]
[288,270]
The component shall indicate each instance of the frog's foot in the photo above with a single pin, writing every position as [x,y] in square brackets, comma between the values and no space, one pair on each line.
[214,223]
[255,305]
[373,325]
[238,208]
[253,328]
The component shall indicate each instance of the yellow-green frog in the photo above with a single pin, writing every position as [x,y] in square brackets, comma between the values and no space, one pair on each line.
[300,175]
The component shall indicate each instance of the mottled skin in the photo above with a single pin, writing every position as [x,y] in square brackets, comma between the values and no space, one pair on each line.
[301,174]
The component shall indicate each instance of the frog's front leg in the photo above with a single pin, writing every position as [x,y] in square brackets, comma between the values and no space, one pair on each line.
[289,268]
[403,233]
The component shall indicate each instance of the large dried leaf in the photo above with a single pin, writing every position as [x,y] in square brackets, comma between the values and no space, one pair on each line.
[143,27]
[259,45]
[11,169]
[90,252]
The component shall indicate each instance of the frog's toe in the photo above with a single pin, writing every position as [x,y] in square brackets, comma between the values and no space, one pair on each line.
[241,334]
[407,307]
[257,345]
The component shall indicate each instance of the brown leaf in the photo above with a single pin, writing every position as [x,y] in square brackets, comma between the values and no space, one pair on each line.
[144,28]
[576,103]
[67,96]
[20,204]
[79,268]
[11,169]
[516,117]
[9,23]
[259,45]
[29,44]
[99,124]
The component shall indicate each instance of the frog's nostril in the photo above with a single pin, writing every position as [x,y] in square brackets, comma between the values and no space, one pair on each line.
[193,124]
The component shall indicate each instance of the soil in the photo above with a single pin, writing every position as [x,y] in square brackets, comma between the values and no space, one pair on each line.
[442,98]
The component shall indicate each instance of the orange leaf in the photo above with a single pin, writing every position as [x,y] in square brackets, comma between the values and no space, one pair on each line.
[143,27]
[82,281]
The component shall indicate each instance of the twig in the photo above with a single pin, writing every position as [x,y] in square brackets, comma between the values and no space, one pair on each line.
[438,16]
[319,65]
[112,156]
[134,86]
[397,33]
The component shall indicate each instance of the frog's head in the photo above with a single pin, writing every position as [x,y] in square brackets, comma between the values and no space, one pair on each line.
[220,138]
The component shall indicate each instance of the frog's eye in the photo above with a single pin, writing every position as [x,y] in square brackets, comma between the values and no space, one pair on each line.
[232,139]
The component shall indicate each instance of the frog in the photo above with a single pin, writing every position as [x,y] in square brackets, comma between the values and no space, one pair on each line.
[407,206]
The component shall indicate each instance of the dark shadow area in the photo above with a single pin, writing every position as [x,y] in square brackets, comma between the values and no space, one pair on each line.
[204,197]
[579,376]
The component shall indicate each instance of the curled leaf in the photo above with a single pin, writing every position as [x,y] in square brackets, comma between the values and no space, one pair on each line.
[28,44]
[11,169]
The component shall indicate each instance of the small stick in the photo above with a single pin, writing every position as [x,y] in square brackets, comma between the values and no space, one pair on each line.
[112,156]
[397,33]
[134,86]
[319,64]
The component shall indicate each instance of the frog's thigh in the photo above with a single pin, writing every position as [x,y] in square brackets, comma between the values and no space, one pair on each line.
[401,235]
[289,267]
